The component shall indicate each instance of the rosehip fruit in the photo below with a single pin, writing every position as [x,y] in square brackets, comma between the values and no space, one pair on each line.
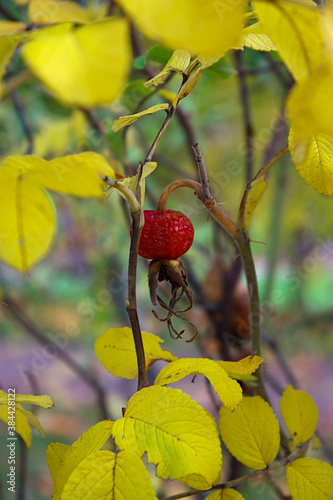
[166,235]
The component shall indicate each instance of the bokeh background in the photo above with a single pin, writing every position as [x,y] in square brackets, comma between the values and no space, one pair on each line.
[77,292]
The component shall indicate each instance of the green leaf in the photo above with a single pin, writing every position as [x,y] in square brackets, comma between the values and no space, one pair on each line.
[300,414]
[251,432]
[159,54]
[120,476]
[179,436]
[228,390]
[310,479]
[116,351]
[139,62]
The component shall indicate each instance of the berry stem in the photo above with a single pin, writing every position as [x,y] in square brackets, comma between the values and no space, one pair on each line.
[209,203]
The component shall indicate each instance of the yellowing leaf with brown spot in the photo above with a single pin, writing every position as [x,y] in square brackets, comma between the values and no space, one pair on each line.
[313,159]
[22,417]
[229,390]
[106,475]
[116,351]
[83,66]
[295,31]
[300,414]
[179,436]
[310,479]
[87,444]
[244,366]
[225,494]
[124,121]
[57,11]
[212,26]
[251,432]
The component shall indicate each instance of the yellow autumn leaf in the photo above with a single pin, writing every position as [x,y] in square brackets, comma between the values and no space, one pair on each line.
[10,28]
[124,121]
[27,231]
[256,38]
[257,187]
[8,45]
[54,456]
[225,494]
[229,390]
[120,476]
[244,366]
[188,86]
[313,159]
[300,414]
[83,66]
[251,432]
[287,24]
[78,175]
[178,62]
[87,444]
[211,27]
[179,436]
[310,479]
[57,11]
[116,351]
[23,418]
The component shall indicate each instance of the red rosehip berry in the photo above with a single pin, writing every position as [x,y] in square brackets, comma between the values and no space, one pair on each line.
[166,235]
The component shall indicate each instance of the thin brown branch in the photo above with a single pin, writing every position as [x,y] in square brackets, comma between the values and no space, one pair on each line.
[34,331]
[248,127]
[26,127]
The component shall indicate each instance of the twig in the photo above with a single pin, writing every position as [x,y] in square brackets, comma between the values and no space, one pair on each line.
[20,111]
[23,461]
[159,135]
[235,482]
[200,162]
[248,128]
[29,326]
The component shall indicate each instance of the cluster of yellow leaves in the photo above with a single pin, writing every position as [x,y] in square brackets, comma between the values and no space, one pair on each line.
[83,65]
[26,233]
[302,35]
[23,418]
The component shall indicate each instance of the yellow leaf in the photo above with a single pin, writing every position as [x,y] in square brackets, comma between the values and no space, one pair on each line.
[229,390]
[7,48]
[257,188]
[287,25]
[313,159]
[10,28]
[300,414]
[116,351]
[179,62]
[120,476]
[23,418]
[83,66]
[225,494]
[256,38]
[124,121]
[27,231]
[57,11]
[213,26]
[77,175]
[310,105]
[87,444]
[188,86]
[251,433]
[244,366]
[178,435]
[54,456]
[310,479]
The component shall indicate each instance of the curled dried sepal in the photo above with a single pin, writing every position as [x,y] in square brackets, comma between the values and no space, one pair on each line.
[174,272]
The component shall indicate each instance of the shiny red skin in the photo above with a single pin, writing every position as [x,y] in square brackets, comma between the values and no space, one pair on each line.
[166,235]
